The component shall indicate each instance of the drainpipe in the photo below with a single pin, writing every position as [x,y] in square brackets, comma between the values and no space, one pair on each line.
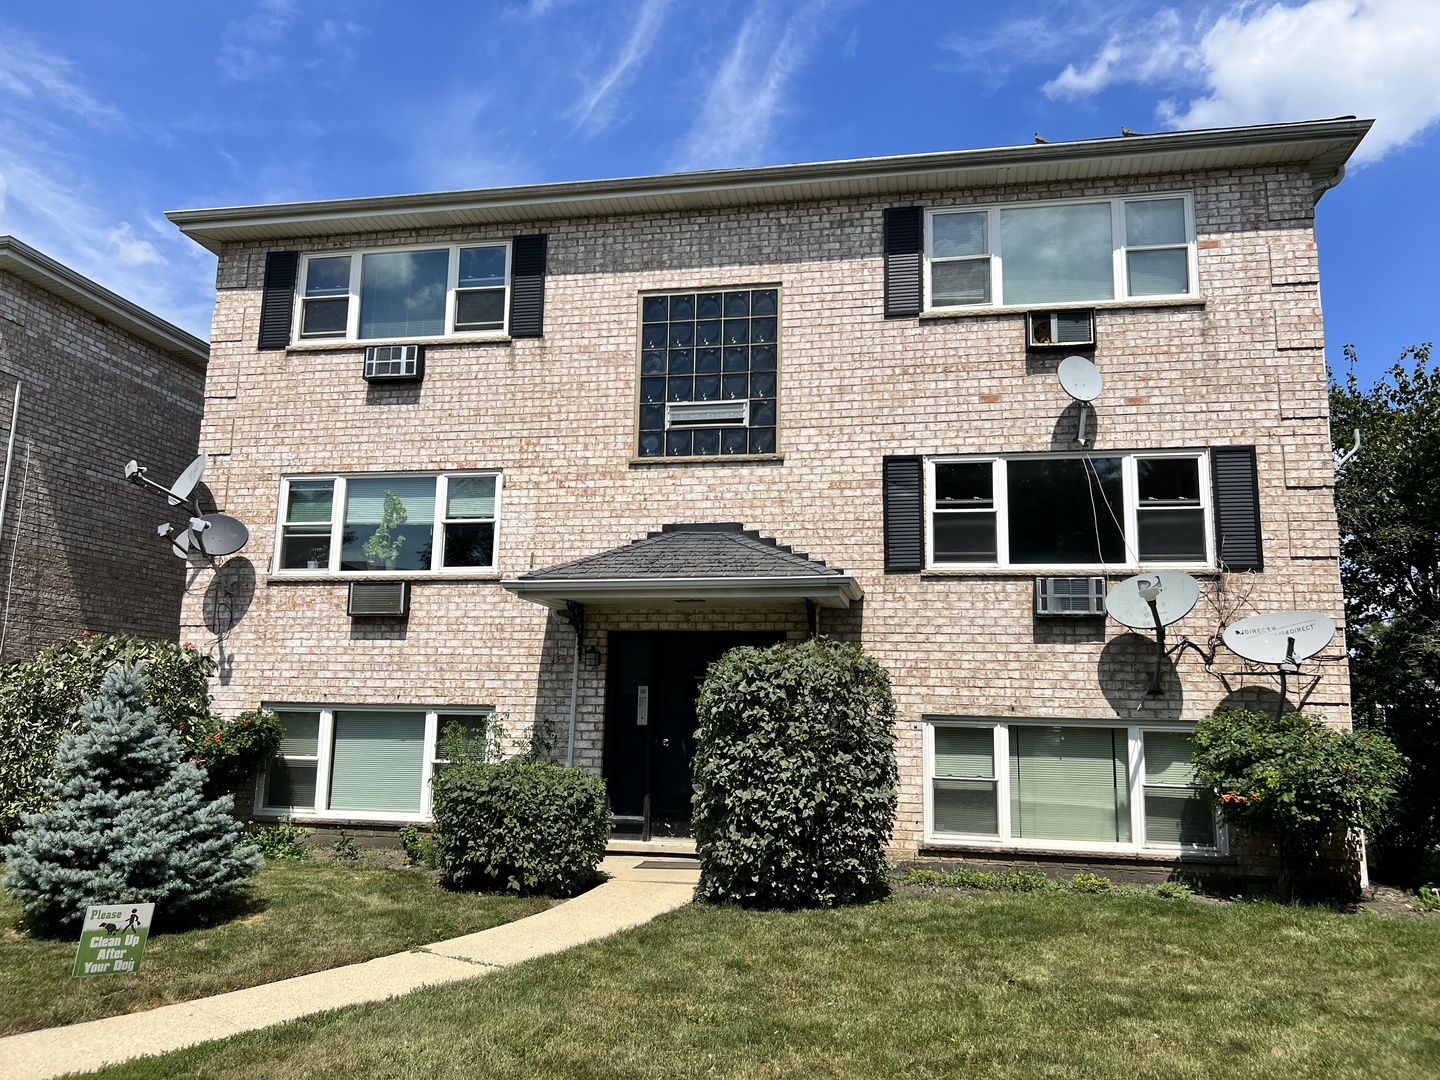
[577,620]
[9,458]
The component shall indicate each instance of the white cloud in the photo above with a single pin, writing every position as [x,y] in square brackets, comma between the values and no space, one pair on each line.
[248,51]
[596,108]
[48,200]
[1378,58]
[748,92]
[42,78]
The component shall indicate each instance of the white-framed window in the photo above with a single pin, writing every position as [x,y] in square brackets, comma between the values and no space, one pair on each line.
[1079,251]
[387,523]
[1095,510]
[398,294]
[362,762]
[1076,784]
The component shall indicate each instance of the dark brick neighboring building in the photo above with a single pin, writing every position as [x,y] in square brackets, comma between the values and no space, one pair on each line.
[101,381]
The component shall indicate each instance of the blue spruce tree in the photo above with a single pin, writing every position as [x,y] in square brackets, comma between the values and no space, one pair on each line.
[127,822]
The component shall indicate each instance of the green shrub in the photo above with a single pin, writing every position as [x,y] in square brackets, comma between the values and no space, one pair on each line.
[1089,883]
[128,822]
[1427,899]
[344,849]
[40,700]
[419,850]
[1298,782]
[795,776]
[283,842]
[520,826]
[1173,890]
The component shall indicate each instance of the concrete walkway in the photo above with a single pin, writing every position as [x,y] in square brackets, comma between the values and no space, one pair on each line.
[635,894]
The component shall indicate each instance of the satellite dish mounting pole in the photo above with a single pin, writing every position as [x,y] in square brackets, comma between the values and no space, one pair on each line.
[1084,415]
[1149,596]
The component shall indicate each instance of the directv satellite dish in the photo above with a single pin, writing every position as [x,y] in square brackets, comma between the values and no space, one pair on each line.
[219,534]
[185,482]
[1174,595]
[1080,378]
[1282,639]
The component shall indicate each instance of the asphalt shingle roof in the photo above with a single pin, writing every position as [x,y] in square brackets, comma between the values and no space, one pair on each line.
[701,550]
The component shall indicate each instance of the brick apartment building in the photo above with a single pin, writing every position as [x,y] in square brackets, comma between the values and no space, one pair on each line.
[101,381]
[649,419]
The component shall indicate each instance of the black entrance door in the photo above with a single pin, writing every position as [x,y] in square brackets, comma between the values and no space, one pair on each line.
[654,678]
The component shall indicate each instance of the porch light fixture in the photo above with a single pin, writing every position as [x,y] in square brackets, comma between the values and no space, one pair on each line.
[592,657]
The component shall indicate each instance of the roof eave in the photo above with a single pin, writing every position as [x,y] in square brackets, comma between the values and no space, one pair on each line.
[1322,145]
[826,590]
[59,280]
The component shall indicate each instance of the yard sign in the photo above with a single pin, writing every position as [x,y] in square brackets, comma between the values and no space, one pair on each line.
[113,938]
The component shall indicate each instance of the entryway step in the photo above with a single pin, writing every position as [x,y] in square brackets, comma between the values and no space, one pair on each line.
[670,846]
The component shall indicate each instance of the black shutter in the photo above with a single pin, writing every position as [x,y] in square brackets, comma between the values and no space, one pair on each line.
[904,241]
[277,304]
[1237,508]
[527,286]
[904,496]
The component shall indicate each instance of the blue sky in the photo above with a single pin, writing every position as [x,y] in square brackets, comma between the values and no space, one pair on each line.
[111,114]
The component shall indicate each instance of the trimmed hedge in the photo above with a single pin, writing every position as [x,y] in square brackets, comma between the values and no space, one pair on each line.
[520,826]
[795,776]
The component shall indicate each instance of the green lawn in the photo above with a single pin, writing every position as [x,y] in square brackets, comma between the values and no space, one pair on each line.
[301,917]
[990,985]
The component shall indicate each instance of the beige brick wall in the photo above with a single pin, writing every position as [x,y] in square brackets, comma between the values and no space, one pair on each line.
[78,549]
[556,415]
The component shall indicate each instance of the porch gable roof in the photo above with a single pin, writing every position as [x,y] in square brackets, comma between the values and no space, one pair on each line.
[690,563]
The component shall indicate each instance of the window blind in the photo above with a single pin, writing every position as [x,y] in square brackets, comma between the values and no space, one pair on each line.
[365,498]
[302,734]
[310,502]
[1069,784]
[377,763]
[471,497]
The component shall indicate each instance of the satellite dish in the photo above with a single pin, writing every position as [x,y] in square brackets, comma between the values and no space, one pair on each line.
[1080,378]
[1286,637]
[185,482]
[219,534]
[1173,593]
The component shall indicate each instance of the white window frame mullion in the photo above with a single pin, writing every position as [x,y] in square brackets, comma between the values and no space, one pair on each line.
[337,525]
[1000,488]
[427,768]
[1206,505]
[1136,777]
[1119,278]
[927,749]
[325,751]
[437,545]
[352,321]
[452,287]
[1130,496]
[1002,782]
[997,275]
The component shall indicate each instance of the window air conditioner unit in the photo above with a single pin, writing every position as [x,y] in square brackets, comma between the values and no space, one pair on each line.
[1070,596]
[379,599]
[1060,329]
[394,363]
[707,414]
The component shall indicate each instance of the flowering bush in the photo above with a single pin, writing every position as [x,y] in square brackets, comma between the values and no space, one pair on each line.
[1297,781]
[231,752]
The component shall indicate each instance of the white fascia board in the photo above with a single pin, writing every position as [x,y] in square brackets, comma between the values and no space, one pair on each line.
[830,590]
[1322,145]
